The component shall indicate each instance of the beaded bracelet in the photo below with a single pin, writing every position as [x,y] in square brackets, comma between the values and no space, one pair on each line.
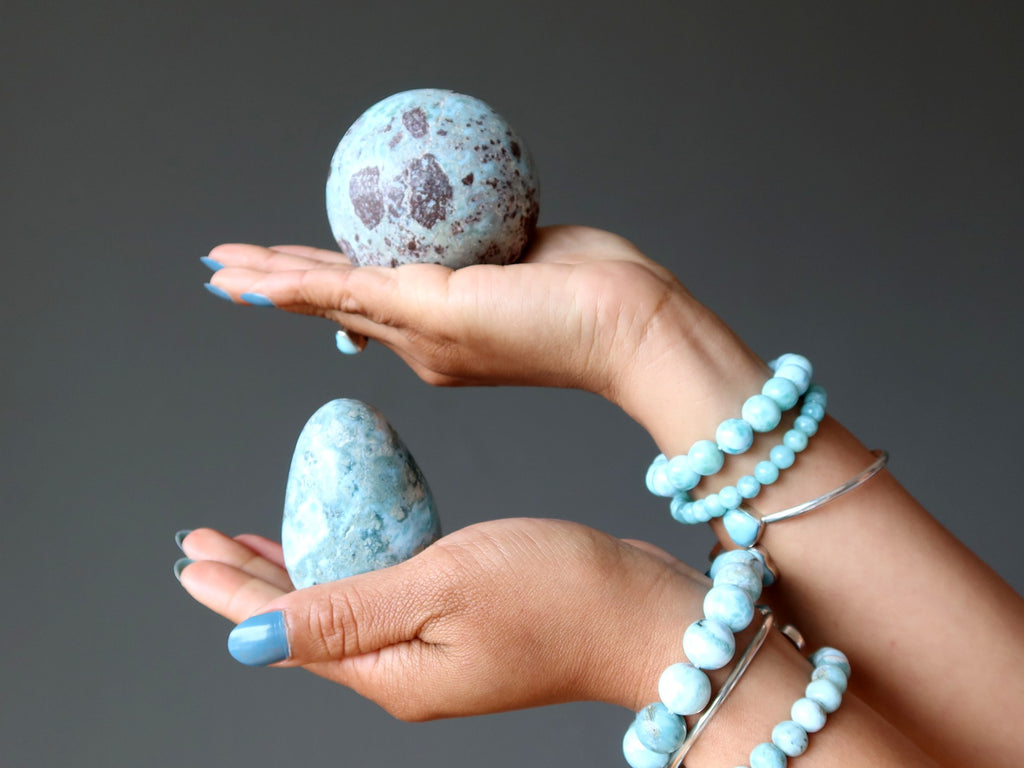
[822,696]
[746,530]
[708,643]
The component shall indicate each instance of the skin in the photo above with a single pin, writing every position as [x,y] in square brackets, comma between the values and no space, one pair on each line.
[873,575]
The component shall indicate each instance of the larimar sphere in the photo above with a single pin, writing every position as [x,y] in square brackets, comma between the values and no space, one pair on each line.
[432,176]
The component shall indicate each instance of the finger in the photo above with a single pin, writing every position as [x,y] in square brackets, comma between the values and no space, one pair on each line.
[264,547]
[338,620]
[229,591]
[274,259]
[206,544]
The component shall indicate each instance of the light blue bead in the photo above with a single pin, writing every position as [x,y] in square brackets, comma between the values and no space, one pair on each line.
[814,410]
[805,424]
[730,605]
[682,477]
[766,472]
[741,575]
[833,656]
[782,456]
[766,755]
[708,644]
[658,482]
[699,511]
[684,689]
[730,497]
[744,556]
[816,394]
[742,527]
[734,436]
[761,412]
[714,505]
[679,509]
[790,737]
[808,714]
[748,486]
[705,458]
[796,374]
[639,756]
[791,358]
[782,391]
[825,693]
[658,729]
[833,674]
[795,440]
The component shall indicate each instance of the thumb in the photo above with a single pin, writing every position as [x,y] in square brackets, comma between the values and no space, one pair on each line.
[336,620]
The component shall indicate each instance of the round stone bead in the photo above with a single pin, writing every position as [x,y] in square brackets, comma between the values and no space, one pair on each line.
[766,472]
[734,436]
[782,456]
[639,756]
[833,674]
[761,412]
[740,575]
[658,729]
[658,482]
[708,644]
[816,394]
[748,486]
[825,693]
[714,505]
[790,737]
[684,689]
[795,440]
[833,656]
[699,511]
[791,358]
[805,424]
[808,714]
[730,605]
[745,556]
[681,475]
[742,527]
[767,755]
[730,497]
[705,458]
[679,509]
[814,410]
[782,391]
[799,376]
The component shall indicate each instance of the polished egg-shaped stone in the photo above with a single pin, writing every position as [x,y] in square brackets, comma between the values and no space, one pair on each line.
[355,500]
[432,176]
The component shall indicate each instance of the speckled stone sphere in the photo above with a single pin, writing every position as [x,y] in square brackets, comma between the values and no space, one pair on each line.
[432,176]
[355,500]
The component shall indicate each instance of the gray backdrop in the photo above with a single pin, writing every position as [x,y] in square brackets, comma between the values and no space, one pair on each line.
[839,180]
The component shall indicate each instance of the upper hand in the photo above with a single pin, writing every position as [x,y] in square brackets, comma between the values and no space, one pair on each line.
[497,616]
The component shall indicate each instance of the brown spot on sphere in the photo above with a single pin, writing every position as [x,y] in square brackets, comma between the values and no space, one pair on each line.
[364,191]
[415,121]
[430,192]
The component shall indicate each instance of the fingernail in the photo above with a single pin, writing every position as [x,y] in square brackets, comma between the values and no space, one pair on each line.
[220,293]
[256,299]
[180,565]
[259,640]
[345,344]
[180,537]
[211,263]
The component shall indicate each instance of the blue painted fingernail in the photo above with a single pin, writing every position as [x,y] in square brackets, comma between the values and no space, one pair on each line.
[220,293]
[259,640]
[211,263]
[180,565]
[257,300]
[345,345]
[180,536]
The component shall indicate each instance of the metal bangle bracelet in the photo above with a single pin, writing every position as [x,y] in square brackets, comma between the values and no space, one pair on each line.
[742,663]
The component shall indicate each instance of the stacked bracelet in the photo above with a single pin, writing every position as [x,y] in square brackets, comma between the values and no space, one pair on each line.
[709,643]
[674,478]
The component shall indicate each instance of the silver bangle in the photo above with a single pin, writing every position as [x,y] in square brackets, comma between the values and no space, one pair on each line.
[767,621]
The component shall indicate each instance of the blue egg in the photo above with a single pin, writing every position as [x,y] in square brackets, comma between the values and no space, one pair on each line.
[355,501]
[432,176]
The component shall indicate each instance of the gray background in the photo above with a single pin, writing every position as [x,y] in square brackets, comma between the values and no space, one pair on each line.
[842,181]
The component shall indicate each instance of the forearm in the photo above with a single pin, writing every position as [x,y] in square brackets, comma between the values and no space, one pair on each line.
[930,629]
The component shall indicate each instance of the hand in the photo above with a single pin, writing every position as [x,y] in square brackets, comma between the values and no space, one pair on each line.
[497,616]
[584,309]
